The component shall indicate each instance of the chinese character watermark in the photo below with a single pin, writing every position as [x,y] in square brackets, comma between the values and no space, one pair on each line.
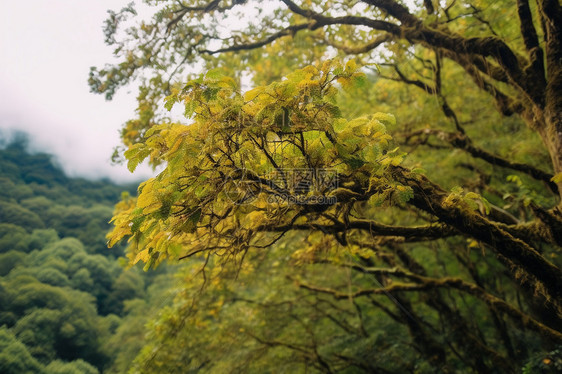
[302,186]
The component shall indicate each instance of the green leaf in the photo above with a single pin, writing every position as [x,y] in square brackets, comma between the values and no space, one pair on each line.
[214,75]
[403,193]
[136,154]
[385,118]
[170,101]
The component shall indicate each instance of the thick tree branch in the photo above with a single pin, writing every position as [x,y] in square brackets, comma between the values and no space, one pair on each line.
[420,233]
[485,47]
[291,30]
[535,52]
[411,28]
[360,49]
[432,199]
[396,10]
[322,21]
[429,6]
[550,12]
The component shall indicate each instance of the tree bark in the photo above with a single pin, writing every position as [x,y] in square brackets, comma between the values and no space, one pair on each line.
[526,265]
[551,136]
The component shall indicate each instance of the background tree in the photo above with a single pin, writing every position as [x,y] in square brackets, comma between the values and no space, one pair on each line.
[15,357]
[224,190]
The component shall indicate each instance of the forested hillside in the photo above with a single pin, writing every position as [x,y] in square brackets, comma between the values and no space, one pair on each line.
[67,305]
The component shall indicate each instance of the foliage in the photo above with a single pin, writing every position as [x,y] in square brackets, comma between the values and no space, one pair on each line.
[15,358]
[545,363]
[74,367]
[171,207]
[60,301]
[462,267]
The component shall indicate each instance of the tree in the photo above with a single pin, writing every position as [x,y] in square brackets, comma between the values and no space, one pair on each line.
[74,367]
[20,216]
[230,187]
[15,357]
[57,297]
[10,260]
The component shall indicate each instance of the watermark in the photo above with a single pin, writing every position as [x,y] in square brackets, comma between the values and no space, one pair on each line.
[302,200]
[300,186]
[240,187]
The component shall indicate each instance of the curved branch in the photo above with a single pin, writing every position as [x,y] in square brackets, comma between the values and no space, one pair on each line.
[431,198]
[411,28]
[531,40]
[396,10]
[463,142]
[410,234]
[485,46]
[291,30]
[345,20]
[361,49]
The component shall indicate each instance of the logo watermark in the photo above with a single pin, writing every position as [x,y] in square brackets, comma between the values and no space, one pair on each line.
[301,186]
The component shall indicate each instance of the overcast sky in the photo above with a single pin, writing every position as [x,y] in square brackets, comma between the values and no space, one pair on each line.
[47,48]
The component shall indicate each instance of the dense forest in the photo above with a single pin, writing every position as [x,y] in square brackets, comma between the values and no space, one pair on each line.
[67,304]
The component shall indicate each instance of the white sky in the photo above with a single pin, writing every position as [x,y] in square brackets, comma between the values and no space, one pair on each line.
[46,50]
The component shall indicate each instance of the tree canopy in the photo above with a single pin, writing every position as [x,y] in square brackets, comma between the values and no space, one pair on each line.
[63,295]
[389,159]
